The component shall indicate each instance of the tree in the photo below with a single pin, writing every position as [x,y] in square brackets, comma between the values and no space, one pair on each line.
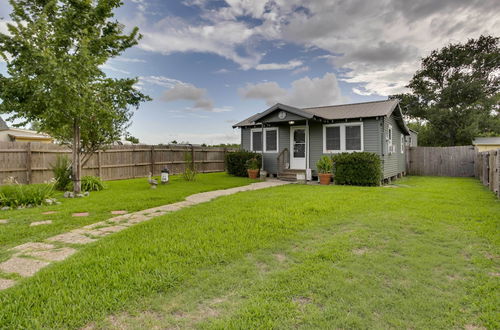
[54,50]
[455,93]
[132,139]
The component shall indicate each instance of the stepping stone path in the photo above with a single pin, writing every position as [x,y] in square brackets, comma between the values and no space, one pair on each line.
[38,223]
[49,212]
[81,214]
[30,257]
[3,221]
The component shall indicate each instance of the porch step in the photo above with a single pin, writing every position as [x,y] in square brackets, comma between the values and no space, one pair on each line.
[290,175]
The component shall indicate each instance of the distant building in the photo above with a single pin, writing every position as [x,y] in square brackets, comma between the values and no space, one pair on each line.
[11,134]
[412,139]
[487,143]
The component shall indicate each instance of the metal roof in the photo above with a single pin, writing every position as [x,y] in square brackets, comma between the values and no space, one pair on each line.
[332,112]
[492,140]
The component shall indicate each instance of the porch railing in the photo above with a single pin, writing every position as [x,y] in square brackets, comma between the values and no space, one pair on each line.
[283,160]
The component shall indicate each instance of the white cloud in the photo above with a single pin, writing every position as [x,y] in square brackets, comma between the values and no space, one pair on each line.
[305,92]
[379,43]
[109,67]
[128,60]
[279,66]
[159,81]
[301,70]
[189,92]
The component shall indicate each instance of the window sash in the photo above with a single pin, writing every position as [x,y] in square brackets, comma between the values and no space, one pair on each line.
[352,137]
[332,138]
[256,140]
[273,139]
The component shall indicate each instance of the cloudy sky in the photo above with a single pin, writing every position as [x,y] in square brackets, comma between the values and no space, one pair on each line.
[210,63]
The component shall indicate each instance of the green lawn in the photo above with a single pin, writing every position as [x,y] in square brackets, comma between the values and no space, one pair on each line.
[130,195]
[424,255]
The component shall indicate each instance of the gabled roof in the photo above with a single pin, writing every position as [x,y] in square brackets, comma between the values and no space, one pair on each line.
[333,112]
[278,106]
[3,124]
[492,140]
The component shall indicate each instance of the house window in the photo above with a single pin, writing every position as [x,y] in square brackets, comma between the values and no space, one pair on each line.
[402,144]
[389,140]
[271,140]
[256,140]
[346,137]
[353,138]
[332,138]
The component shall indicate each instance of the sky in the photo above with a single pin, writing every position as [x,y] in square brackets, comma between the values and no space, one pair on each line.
[208,64]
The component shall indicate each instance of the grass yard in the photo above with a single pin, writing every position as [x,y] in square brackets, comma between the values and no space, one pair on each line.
[424,255]
[130,195]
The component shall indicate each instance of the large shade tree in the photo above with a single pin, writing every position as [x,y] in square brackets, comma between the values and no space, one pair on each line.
[54,50]
[454,96]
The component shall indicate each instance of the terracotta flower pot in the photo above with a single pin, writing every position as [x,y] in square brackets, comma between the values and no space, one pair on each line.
[324,178]
[252,174]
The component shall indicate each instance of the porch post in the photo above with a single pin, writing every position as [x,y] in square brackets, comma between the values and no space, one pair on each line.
[307,148]
[262,146]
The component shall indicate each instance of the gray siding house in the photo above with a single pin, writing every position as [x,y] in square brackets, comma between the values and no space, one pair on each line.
[294,139]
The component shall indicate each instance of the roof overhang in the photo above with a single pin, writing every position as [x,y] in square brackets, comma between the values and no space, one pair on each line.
[277,107]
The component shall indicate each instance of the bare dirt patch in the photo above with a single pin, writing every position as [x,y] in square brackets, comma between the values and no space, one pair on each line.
[360,251]
[3,221]
[117,212]
[280,257]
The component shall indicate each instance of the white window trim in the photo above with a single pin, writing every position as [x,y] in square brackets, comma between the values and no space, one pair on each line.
[264,137]
[402,141]
[342,137]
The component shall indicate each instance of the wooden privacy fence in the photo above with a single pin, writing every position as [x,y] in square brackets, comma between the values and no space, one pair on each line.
[488,169]
[441,161]
[31,162]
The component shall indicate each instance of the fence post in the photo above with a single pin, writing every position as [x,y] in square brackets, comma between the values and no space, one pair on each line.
[152,160]
[193,165]
[28,163]
[99,166]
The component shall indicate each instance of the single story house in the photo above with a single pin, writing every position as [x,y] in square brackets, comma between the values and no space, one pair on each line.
[487,143]
[292,140]
[11,134]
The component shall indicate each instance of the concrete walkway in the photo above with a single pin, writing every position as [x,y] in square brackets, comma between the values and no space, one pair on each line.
[30,257]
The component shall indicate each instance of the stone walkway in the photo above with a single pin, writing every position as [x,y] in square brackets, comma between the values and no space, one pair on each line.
[30,257]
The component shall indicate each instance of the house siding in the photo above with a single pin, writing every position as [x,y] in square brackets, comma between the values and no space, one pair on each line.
[393,164]
[371,140]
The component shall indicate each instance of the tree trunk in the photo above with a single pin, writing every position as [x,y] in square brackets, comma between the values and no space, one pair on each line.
[76,169]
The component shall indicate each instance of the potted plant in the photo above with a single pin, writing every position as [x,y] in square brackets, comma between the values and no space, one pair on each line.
[253,168]
[325,167]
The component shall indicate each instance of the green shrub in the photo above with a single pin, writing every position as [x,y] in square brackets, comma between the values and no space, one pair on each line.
[91,183]
[252,164]
[62,173]
[22,195]
[236,162]
[190,172]
[357,168]
[324,165]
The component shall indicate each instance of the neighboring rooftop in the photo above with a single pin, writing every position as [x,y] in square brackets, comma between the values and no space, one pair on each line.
[491,140]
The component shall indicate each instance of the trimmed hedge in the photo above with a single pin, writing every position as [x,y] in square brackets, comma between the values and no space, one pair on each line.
[357,169]
[236,162]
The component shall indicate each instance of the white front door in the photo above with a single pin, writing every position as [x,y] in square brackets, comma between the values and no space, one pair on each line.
[298,141]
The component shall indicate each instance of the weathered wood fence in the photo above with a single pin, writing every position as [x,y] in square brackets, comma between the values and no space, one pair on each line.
[487,169]
[464,161]
[32,162]
[441,161]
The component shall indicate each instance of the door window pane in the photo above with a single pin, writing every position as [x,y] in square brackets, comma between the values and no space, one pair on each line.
[332,138]
[299,136]
[299,150]
[257,141]
[353,137]
[272,140]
